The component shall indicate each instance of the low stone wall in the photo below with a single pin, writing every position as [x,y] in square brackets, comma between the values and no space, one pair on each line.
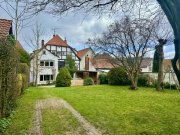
[77,82]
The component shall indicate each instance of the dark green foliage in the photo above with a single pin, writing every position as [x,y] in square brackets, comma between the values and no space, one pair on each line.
[118,76]
[88,81]
[168,86]
[63,78]
[71,65]
[24,56]
[23,69]
[5,122]
[155,68]
[143,80]
[103,78]
[8,77]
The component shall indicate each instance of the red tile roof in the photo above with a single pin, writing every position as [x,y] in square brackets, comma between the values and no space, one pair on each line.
[56,40]
[167,64]
[102,64]
[146,62]
[82,52]
[19,46]
[5,26]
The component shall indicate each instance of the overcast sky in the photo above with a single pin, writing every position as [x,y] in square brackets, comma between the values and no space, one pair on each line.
[77,28]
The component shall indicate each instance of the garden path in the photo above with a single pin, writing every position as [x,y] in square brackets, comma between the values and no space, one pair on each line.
[58,104]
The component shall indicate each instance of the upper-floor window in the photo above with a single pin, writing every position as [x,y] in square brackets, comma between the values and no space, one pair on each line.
[53,52]
[46,63]
[44,52]
[58,53]
[64,53]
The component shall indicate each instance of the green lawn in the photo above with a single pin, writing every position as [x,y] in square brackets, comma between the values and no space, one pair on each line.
[114,110]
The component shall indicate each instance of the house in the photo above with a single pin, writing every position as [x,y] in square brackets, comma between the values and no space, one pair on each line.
[5,28]
[103,63]
[46,61]
[146,65]
[87,68]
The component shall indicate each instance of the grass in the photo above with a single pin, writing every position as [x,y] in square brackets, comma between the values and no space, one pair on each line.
[112,109]
[60,122]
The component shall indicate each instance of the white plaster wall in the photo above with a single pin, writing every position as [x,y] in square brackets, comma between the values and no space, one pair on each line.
[53,47]
[82,62]
[58,48]
[45,70]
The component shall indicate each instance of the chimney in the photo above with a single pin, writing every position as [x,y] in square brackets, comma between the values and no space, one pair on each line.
[65,40]
[53,35]
[42,43]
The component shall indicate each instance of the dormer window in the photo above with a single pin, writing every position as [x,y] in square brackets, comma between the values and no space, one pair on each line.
[44,52]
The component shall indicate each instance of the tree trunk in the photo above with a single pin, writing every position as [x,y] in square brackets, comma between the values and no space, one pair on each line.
[160,52]
[176,59]
[134,81]
[160,76]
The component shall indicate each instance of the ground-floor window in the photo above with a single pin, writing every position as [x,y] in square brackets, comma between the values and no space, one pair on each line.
[46,77]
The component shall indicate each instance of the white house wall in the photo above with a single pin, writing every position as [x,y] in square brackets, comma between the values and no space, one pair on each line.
[45,70]
[90,54]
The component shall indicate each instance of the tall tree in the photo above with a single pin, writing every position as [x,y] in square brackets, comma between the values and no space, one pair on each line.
[17,10]
[71,65]
[128,41]
[35,43]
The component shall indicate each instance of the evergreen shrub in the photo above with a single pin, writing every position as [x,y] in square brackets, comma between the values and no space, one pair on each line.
[143,80]
[88,81]
[118,76]
[63,78]
[103,78]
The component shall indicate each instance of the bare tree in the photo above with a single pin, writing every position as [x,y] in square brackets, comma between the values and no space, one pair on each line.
[18,11]
[35,41]
[127,41]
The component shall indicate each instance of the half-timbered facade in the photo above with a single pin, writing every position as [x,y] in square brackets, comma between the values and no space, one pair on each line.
[50,58]
[60,48]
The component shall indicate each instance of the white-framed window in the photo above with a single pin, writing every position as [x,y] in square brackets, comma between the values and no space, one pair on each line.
[59,53]
[46,77]
[53,52]
[47,63]
[44,52]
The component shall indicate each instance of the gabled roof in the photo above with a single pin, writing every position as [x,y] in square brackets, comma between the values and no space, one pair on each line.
[146,62]
[82,52]
[58,41]
[103,64]
[18,45]
[5,28]
[39,50]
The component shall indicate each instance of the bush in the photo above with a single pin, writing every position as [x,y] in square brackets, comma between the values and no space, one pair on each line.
[143,80]
[168,86]
[103,78]
[63,78]
[118,76]
[24,83]
[88,81]
[23,69]
[19,84]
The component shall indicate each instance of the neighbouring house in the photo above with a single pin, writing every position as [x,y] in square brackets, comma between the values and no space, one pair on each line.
[46,61]
[5,28]
[168,76]
[146,65]
[103,63]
